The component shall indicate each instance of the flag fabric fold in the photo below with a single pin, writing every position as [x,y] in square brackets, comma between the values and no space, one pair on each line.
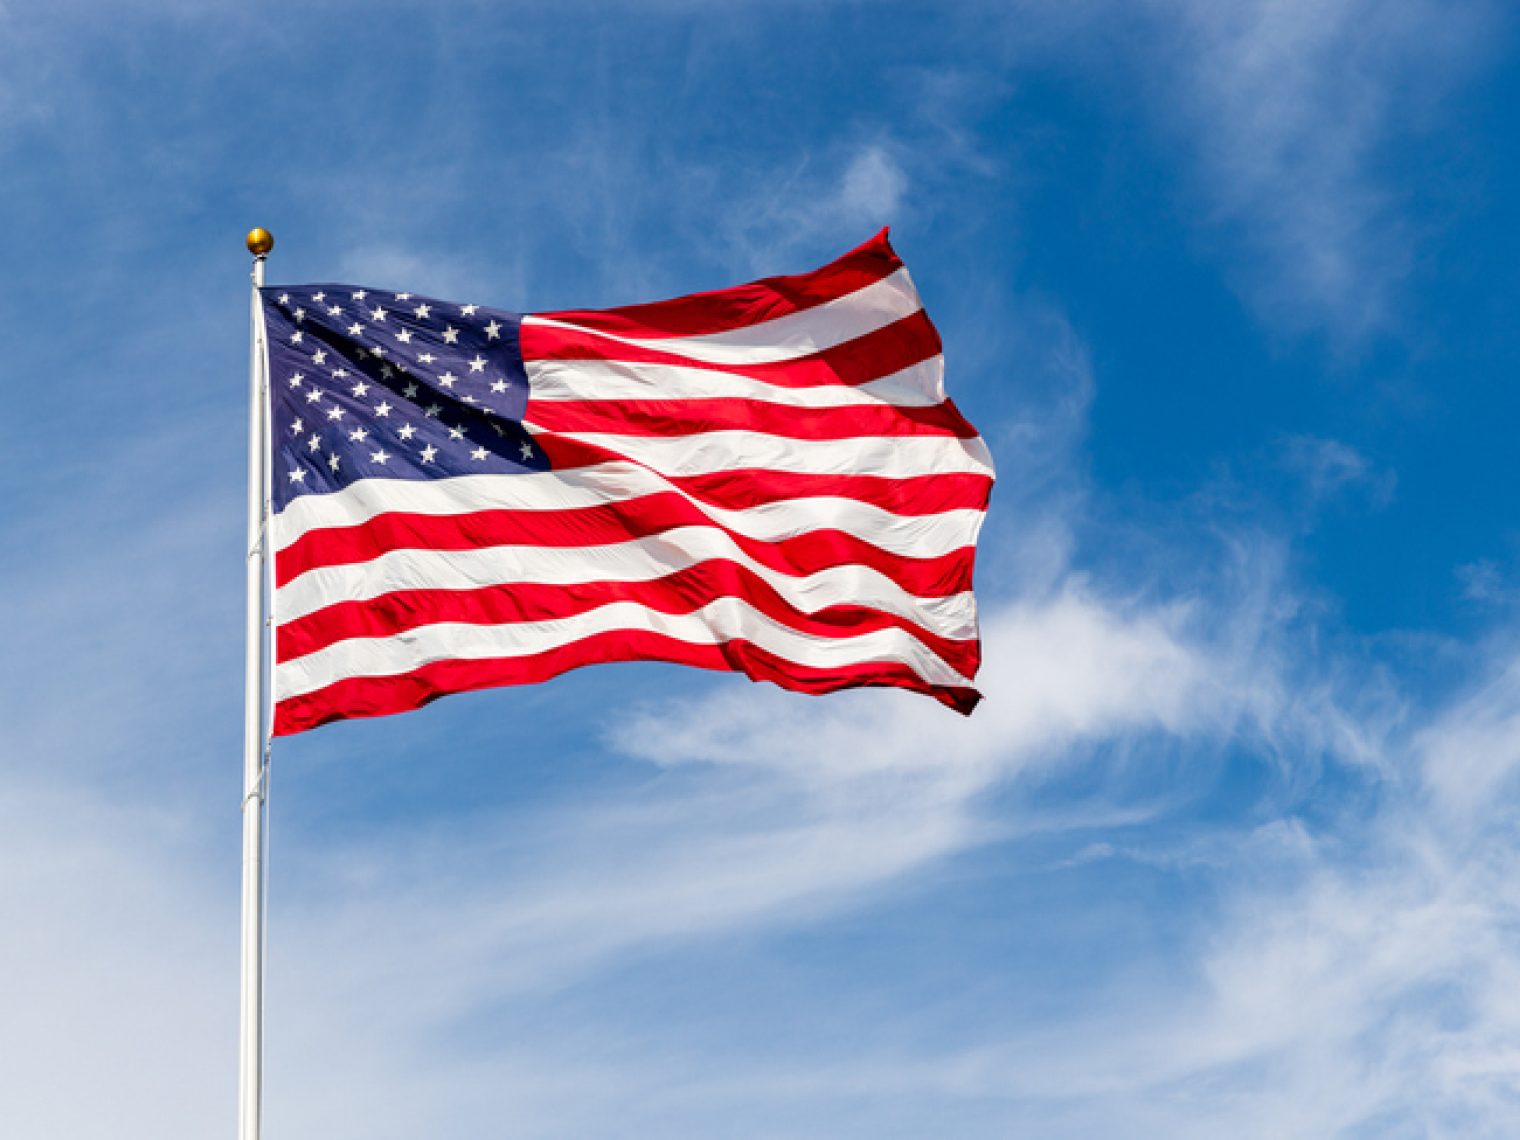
[767,479]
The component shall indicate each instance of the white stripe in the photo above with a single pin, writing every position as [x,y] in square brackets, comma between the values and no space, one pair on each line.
[637,560]
[363,499]
[784,338]
[569,489]
[911,536]
[918,386]
[702,453]
[720,621]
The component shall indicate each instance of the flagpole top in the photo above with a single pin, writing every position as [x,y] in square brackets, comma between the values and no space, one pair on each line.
[259,241]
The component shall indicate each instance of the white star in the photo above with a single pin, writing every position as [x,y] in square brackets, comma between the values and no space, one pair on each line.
[314,444]
[493,331]
[313,396]
[332,461]
[404,336]
[387,371]
[403,296]
[319,297]
[355,329]
[295,337]
[447,379]
[295,381]
[335,414]
[300,315]
[468,310]
[426,358]
[479,454]
[428,453]
[379,456]
[333,310]
[298,475]
[358,435]
[407,431]
[496,427]
[431,410]
[360,295]
[456,433]
[297,427]
[527,450]
[499,386]
[410,391]
[284,298]
[378,351]
[320,356]
[471,400]
[378,314]
[360,389]
[421,312]
[339,373]
[382,409]
[478,364]
[450,335]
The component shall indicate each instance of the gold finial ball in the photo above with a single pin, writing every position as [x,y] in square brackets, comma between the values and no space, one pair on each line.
[260,241]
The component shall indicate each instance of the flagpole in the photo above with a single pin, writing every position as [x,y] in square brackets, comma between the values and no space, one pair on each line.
[255,730]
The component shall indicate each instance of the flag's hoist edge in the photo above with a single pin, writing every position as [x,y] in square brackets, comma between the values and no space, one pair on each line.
[767,479]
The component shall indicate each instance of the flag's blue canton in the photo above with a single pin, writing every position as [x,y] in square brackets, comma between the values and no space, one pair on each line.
[365,383]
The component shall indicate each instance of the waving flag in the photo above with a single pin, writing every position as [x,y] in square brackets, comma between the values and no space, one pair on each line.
[767,479]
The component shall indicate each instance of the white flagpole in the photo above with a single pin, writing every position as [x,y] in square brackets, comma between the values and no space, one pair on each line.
[255,730]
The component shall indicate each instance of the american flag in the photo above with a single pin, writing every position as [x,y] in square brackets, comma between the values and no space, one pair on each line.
[767,479]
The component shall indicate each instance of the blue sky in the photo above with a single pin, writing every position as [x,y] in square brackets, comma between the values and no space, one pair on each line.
[1229,848]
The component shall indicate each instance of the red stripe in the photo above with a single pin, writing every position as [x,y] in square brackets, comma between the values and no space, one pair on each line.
[907,341]
[692,417]
[680,593]
[744,305]
[382,696]
[609,523]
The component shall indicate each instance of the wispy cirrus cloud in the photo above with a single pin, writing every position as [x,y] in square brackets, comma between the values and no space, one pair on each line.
[1350,984]
[855,192]
[1298,134]
[1289,110]
[1330,467]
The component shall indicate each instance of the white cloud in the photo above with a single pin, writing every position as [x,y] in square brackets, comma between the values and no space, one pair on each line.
[873,188]
[1470,755]
[1356,980]
[1288,106]
[1482,581]
[1058,671]
[1330,468]
[854,191]
[119,977]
